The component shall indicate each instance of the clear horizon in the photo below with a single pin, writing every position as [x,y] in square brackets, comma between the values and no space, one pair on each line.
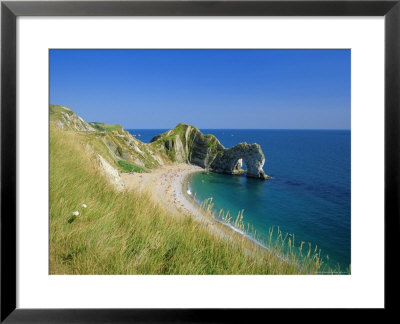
[239,89]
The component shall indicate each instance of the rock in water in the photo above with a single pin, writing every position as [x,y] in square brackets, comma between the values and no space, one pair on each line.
[251,154]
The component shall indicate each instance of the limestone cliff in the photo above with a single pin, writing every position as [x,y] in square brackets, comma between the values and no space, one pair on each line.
[67,119]
[230,160]
[116,146]
[186,143]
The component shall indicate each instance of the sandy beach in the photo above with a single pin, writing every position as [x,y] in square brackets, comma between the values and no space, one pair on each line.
[166,185]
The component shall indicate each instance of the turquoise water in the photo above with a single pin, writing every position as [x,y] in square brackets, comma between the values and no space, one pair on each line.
[308,194]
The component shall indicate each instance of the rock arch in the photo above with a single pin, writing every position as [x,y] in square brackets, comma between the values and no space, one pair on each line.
[186,143]
[230,159]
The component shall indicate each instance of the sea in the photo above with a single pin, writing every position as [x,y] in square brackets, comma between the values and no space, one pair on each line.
[308,194]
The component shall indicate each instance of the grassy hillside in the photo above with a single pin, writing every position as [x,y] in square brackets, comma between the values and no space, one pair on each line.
[112,142]
[126,233]
[65,118]
[105,127]
[56,110]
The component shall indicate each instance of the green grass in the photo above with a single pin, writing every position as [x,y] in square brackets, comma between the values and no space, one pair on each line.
[127,233]
[56,111]
[129,167]
[105,127]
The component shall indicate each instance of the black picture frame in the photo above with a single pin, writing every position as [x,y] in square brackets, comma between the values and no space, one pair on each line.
[10,10]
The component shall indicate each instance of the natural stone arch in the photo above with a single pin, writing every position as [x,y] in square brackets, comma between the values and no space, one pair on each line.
[186,143]
[228,160]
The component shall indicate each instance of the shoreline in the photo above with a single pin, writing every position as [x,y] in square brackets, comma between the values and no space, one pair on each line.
[165,184]
[226,226]
[168,186]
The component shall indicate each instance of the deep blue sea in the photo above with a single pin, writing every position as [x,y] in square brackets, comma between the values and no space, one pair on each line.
[309,194]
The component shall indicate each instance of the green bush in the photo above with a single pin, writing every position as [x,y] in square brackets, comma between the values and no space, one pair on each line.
[129,167]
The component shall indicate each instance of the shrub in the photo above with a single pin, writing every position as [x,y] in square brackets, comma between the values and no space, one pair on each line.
[129,167]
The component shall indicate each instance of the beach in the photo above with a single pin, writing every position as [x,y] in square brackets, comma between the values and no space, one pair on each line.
[166,186]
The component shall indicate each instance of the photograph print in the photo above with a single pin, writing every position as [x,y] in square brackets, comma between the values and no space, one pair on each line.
[200,161]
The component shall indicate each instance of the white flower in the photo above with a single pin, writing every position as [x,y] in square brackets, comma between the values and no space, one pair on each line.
[75,213]
[84,206]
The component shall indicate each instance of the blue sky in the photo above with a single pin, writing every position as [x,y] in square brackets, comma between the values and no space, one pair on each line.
[262,89]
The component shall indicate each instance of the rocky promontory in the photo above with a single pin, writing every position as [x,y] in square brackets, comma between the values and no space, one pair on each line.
[183,144]
[186,143]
